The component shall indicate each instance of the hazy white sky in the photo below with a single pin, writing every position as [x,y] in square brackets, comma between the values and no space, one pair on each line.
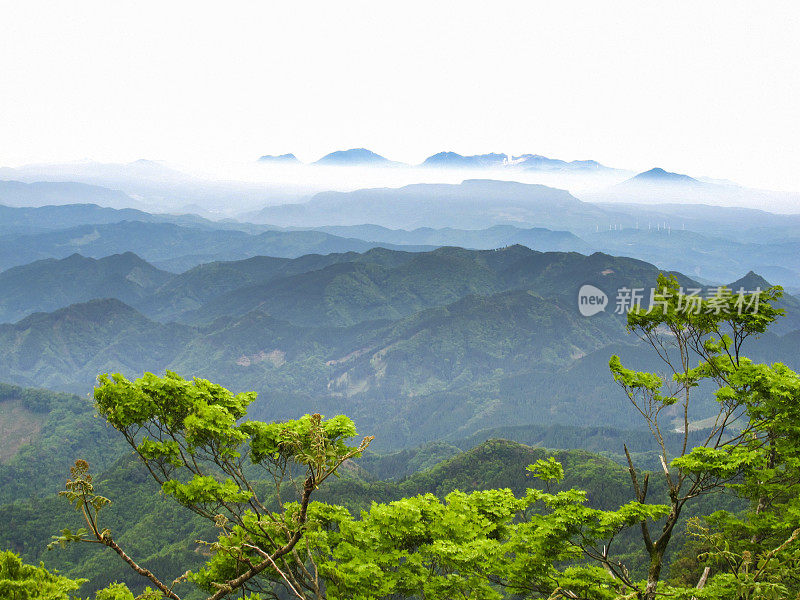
[706,88]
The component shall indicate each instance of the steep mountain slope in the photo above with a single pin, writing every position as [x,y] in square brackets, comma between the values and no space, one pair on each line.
[344,294]
[194,288]
[469,340]
[77,343]
[35,462]
[789,303]
[49,284]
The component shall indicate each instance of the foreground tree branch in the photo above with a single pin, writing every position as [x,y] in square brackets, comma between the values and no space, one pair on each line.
[712,333]
[193,439]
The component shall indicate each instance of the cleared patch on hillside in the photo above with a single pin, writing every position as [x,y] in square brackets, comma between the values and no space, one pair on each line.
[18,426]
[276,358]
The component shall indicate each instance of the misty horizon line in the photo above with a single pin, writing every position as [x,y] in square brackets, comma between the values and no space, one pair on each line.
[502,161]
[231,189]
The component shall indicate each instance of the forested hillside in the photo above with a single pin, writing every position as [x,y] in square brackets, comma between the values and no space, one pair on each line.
[414,346]
[156,530]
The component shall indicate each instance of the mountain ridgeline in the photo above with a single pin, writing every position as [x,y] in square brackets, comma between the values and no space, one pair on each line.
[712,244]
[416,346]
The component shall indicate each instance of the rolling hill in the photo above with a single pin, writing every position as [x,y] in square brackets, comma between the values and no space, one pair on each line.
[170,246]
[42,193]
[473,204]
[497,236]
[50,284]
[27,220]
[76,343]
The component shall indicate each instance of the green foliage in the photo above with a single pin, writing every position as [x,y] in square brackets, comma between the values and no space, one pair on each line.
[547,470]
[38,401]
[192,439]
[751,447]
[758,573]
[19,581]
[119,591]
[486,544]
[160,535]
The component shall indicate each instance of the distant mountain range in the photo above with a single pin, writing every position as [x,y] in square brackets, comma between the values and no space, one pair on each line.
[340,325]
[658,186]
[281,158]
[473,204]
[27,220]
[42,193]
[497,236]
[151,185]
[171,246]
[713,257]
[659,175]
[142,184]
[450,160]
[479,203]
[713,244]
[355,157]
[536,162]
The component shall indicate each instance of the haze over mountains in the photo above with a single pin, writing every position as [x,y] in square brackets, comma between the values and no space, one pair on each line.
[437,315]
[714,244]
[230,190]
[393,295]
[43,193]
